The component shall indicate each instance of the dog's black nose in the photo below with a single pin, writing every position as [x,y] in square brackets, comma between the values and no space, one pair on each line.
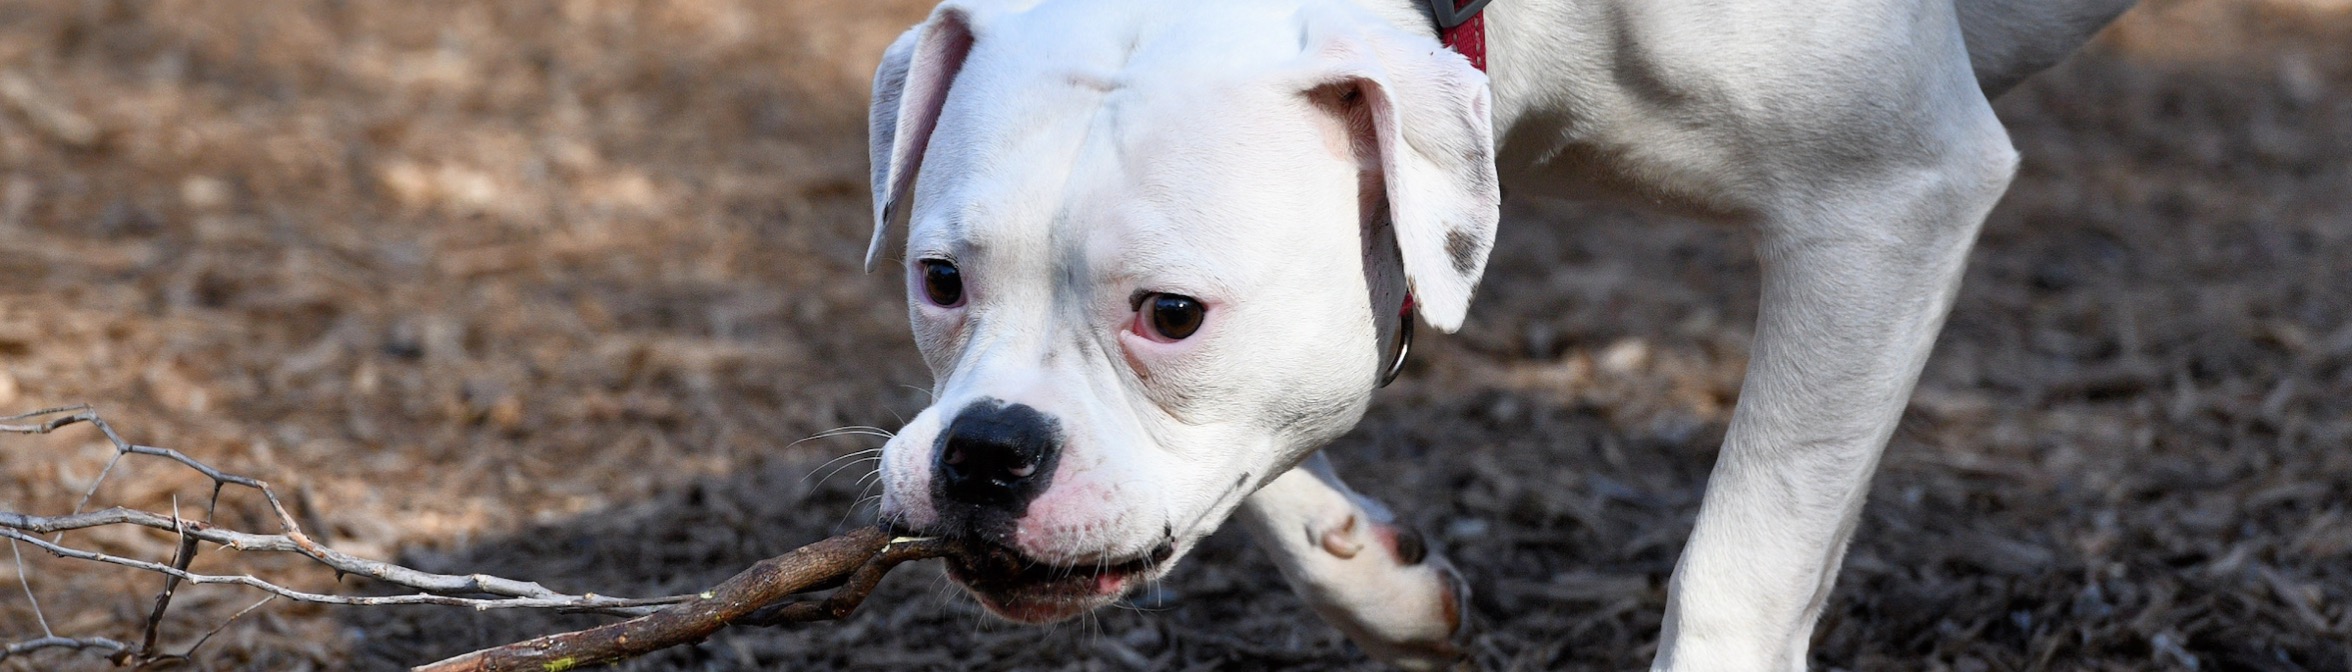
[997,455]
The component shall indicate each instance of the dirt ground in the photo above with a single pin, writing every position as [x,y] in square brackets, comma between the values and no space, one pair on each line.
[552,290]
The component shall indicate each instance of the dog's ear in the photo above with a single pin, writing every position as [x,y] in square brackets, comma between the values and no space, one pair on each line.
[1429,121]
[909,88]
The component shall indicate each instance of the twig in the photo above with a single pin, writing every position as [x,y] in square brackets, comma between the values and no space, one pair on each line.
[80,413]
[591,602]
[55,642]
[851,564]
[46,113]
[293,539]
[514,594]
[856,561]
[191,652]
[477,591]
[27,583]
[181,558]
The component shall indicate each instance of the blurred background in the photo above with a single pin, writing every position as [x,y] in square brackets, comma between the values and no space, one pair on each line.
[552,289]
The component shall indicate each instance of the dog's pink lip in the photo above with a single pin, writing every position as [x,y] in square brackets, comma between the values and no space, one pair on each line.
[1019,589]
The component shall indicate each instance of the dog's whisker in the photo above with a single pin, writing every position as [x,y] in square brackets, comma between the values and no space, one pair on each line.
[845,462]
[1092,629]
[845,467]
[843,431]
[942,591]
[843,456]
[864,499]
[840,464]
[865,430]
[871,480]
[859,503]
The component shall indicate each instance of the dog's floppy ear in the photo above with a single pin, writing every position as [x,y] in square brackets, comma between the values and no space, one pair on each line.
[909,88]
[1430,122]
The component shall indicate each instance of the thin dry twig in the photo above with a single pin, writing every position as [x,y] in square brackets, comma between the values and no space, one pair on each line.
[590,603]
[510,593]
[477,591]
[68,643]
[182,556]
[48,114]
[224,625]
[26,582]
[851,564]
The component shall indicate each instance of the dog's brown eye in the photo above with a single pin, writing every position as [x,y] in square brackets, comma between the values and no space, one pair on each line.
[1174,317]
[942,283]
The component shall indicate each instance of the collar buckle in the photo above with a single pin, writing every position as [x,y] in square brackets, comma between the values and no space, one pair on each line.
[1452,13]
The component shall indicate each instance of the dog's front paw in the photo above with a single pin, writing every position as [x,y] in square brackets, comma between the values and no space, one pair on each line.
[1396,597]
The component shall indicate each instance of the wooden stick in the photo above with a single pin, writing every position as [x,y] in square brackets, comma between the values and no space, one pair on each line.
[851,564]
[854,561]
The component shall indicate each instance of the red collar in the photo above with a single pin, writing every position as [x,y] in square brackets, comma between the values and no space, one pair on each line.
[1461,24]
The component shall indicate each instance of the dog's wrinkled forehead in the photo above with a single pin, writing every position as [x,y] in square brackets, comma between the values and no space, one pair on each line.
[1054,137]
[1106,46]
[1034,136]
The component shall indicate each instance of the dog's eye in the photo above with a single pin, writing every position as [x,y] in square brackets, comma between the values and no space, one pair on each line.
[1174,317]
[942,283]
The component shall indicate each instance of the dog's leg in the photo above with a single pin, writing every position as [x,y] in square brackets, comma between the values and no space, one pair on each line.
[1862,241]
[1347,557]
[1850,309]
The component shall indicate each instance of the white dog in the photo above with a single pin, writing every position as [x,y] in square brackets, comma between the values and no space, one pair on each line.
[1160,252]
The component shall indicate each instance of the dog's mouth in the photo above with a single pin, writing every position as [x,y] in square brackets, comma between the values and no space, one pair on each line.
[1022,589]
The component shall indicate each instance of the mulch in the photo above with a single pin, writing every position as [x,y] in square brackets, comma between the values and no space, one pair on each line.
[554,291]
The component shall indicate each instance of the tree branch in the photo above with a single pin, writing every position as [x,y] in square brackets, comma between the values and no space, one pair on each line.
[513,594]
[70,643]
[852,563]
[857,559]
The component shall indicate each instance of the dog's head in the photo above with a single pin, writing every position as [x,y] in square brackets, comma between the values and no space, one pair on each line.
[1155,255]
